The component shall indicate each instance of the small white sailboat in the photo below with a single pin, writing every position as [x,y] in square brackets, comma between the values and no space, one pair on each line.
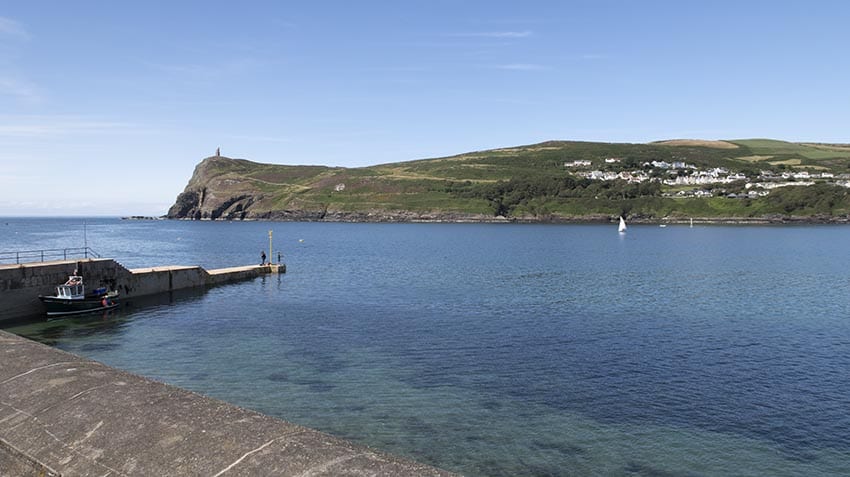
[622,227]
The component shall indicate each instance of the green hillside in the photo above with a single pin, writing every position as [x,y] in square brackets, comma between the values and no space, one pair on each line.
[782,148]
[534,182]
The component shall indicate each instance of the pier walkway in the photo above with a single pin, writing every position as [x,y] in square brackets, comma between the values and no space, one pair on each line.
[20,284]
[63,415]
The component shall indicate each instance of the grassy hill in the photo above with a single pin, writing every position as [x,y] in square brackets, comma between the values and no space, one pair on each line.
[524,183]
[815,156]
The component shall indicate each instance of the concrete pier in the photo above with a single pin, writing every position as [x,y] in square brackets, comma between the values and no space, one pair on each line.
[64,415]
[61,414]
[20,284]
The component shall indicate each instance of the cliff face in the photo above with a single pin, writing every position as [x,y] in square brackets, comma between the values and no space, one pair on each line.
[215,191]
[546,182]
[222,188]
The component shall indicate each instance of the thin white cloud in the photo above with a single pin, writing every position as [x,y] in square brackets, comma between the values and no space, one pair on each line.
[47,126]
[11,83]
[9,27]
[493,34]
[284,23]
[87,207]
[258,138]
[521,67]
[208,71]
[20,90]
[190,70]
[397,69]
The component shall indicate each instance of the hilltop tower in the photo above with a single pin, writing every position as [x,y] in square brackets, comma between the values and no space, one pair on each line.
[218,152]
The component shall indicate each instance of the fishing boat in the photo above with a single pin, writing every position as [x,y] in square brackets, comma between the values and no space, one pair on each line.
[71,298]
[622,227]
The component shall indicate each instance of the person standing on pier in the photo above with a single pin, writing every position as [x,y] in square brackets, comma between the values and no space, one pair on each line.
[262,258]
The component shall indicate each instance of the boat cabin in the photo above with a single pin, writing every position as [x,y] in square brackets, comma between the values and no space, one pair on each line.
[73,289]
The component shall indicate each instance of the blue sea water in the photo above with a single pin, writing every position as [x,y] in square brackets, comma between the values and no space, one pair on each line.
[501,349]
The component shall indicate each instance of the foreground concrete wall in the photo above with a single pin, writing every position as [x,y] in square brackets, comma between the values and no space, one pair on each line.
[17,463]
[61,414]
[21,284]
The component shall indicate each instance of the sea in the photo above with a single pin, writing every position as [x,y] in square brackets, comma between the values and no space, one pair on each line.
[499,349]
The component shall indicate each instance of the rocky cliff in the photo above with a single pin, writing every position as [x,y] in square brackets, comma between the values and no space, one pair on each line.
[546,182]
[222,188]
[217,190]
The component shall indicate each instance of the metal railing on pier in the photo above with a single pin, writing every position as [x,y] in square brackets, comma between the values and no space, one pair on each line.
[47,255]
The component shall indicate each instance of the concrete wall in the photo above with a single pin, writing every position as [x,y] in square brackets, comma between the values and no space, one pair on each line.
[225,275]
[13,462]
[61,414]
[21,284]
[147,281]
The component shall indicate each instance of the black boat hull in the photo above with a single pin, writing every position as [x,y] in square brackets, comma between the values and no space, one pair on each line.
[63,306]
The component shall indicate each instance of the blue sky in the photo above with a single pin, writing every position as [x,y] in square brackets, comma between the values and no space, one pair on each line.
[106,107]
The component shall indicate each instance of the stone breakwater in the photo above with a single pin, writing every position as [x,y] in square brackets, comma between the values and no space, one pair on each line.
[21,284]
[61,414]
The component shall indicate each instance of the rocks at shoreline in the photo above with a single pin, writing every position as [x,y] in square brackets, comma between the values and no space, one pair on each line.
[413,217]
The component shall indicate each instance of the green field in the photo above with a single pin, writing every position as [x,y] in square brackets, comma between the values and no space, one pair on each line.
[525,182]
[776,148]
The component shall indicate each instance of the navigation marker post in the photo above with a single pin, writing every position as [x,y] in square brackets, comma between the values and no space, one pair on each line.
[280,267]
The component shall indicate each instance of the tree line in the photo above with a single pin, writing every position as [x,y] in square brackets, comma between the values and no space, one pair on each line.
[506,195]
[828,199]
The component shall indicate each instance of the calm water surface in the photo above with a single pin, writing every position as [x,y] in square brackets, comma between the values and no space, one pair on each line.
[502,349]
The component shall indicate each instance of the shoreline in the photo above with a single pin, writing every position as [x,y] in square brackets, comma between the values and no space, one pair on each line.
[457,218]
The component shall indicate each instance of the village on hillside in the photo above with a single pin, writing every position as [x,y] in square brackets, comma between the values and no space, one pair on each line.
[692,181]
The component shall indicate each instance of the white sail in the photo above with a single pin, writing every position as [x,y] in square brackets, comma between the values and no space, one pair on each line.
[622,227]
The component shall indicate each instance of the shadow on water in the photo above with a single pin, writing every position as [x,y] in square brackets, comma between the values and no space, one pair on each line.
[51,331]
[644,470]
